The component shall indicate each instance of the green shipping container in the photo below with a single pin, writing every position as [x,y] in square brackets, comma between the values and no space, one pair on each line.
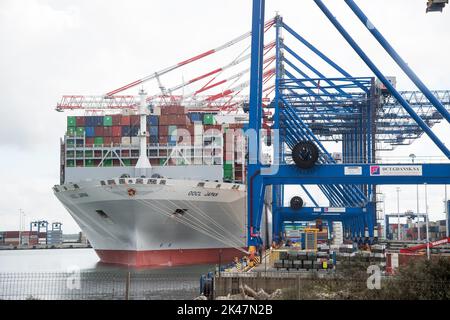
[98,141]
[71,121]
[162,161]
[228,175]
[70,154]
[208,119]
[107,163]
[70,163]
[70,142]
[126,162]
[80,154]
[107,121]
[88,154]
[79,131]
[228,166]
[71,131]
[89,163]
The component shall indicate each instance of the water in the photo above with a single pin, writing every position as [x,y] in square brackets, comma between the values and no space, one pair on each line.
[78,274]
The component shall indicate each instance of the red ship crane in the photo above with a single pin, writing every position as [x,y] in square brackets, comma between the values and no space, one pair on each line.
[423,246]
[227,99]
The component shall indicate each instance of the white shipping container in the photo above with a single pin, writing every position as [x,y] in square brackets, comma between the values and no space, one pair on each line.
[135,141]
[126,140]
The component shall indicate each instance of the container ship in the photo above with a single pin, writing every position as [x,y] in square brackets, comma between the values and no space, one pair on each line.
[158,186]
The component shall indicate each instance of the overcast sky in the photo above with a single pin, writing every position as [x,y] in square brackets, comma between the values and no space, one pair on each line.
[51,48]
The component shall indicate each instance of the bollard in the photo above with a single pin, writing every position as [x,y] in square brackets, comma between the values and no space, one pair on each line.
[127,286]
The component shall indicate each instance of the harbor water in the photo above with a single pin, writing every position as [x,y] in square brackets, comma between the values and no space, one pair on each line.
[78,274]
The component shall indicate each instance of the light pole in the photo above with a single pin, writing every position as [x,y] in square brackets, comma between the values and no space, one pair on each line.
[446,211]
[384,216]
[398,213]
[20,226]
[413,156]
[426,215]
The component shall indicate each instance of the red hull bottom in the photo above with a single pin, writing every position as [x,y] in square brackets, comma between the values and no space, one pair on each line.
[168,258]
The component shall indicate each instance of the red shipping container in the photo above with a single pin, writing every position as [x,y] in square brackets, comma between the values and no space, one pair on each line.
[98,131]
[107,131]
[11,234]
[116,119]
[125,121]
[89,142]
[116,131]
[80,121]
[135,120]
[163,139]
[107,141]
[163,130]
[117,140]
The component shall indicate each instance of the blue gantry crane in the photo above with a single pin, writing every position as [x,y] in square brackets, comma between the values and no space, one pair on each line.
[366,114]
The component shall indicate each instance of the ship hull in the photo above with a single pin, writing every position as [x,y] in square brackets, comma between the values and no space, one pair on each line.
[168,258]
[167,222]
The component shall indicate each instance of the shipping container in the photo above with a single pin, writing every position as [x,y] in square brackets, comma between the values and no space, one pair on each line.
[134,131]
[107,141]
[79,131]
[208,119]
[89,121]
[11,234]
[152,120]
[88,153]
[116,131]
[107,121]
[70,163]
[89,163]
[98,141]
[98,121]
[89,142]
[153,139]
[117,141]
[107,163]
[71,121]
[80,121]
[71,131]
[196,116]
[153,131]
[116,119]
[135,141]
[163,139]
[126,140]
[90,131]
[126,131]
[99,131]
[125,121]
[107,131]
[135,120]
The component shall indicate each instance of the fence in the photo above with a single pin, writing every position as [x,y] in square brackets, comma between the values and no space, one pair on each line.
[307,285]
[97,286]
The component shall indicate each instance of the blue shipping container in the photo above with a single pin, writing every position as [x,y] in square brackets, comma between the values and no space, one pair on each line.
[89,121]
[153,120]
[126,131]
[134,131]
[98,121]
[153,139]
[196,116]
[153,131]
[90,132]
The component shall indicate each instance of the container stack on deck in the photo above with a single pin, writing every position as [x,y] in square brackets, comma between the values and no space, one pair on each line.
[90,140]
